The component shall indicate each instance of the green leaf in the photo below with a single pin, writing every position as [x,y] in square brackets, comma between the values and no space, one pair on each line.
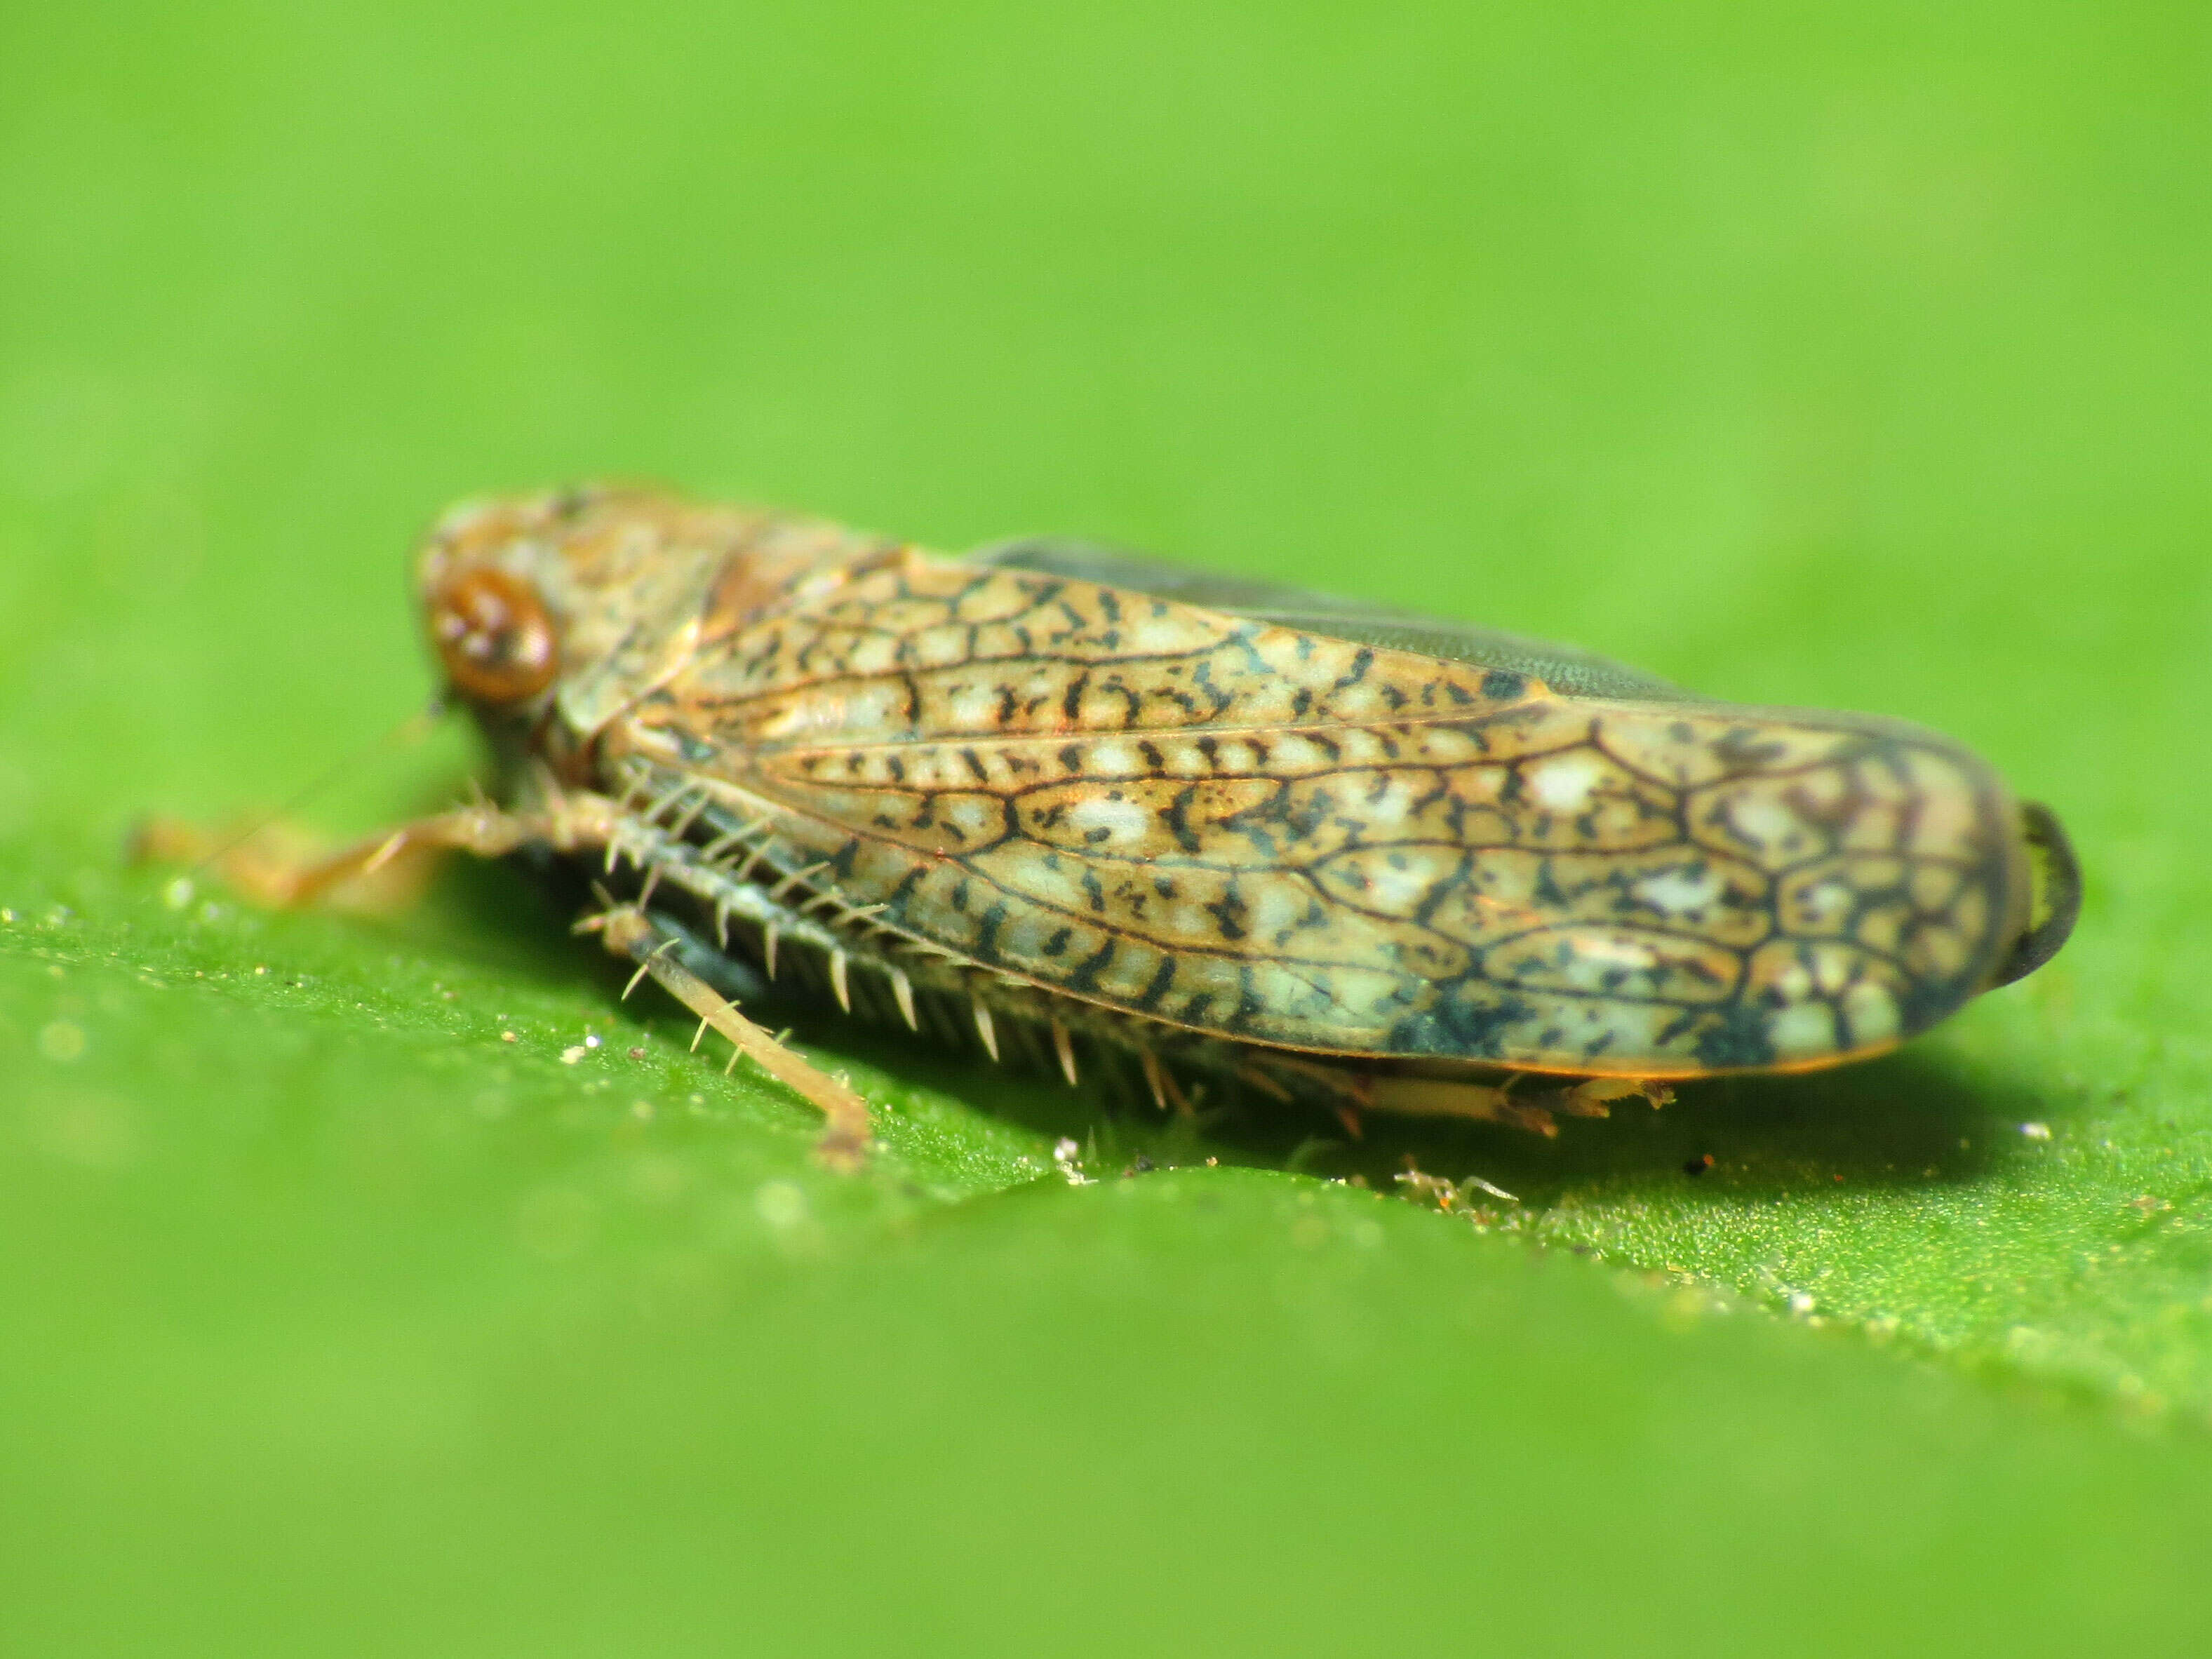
[1855,360]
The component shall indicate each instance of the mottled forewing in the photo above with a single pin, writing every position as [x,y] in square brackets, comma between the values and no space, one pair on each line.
[1299,839]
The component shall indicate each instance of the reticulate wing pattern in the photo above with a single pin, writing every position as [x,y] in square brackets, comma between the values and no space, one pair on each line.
[1290,839]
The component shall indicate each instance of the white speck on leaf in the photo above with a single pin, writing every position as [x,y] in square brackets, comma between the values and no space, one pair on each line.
[61,1040]
[780,1203]
[1065,1151]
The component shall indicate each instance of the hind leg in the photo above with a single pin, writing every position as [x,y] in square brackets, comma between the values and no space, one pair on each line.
[626,932]
[1587,1098]
[1486,1102]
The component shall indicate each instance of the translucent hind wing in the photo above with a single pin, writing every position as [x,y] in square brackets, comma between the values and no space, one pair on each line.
[1567,670]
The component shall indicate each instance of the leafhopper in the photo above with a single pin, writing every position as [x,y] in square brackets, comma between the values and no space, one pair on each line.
[1059,803]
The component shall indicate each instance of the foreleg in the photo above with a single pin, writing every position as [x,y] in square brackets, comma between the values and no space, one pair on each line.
[579,824]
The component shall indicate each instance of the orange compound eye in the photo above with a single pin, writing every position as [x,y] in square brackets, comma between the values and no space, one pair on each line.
[494,636]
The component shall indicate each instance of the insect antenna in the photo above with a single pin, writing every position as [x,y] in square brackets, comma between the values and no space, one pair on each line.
[410,730]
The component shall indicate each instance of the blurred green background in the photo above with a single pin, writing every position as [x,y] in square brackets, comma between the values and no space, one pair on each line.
[1852,355]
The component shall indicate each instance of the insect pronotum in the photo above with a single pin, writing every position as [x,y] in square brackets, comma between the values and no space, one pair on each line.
[1053,800]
